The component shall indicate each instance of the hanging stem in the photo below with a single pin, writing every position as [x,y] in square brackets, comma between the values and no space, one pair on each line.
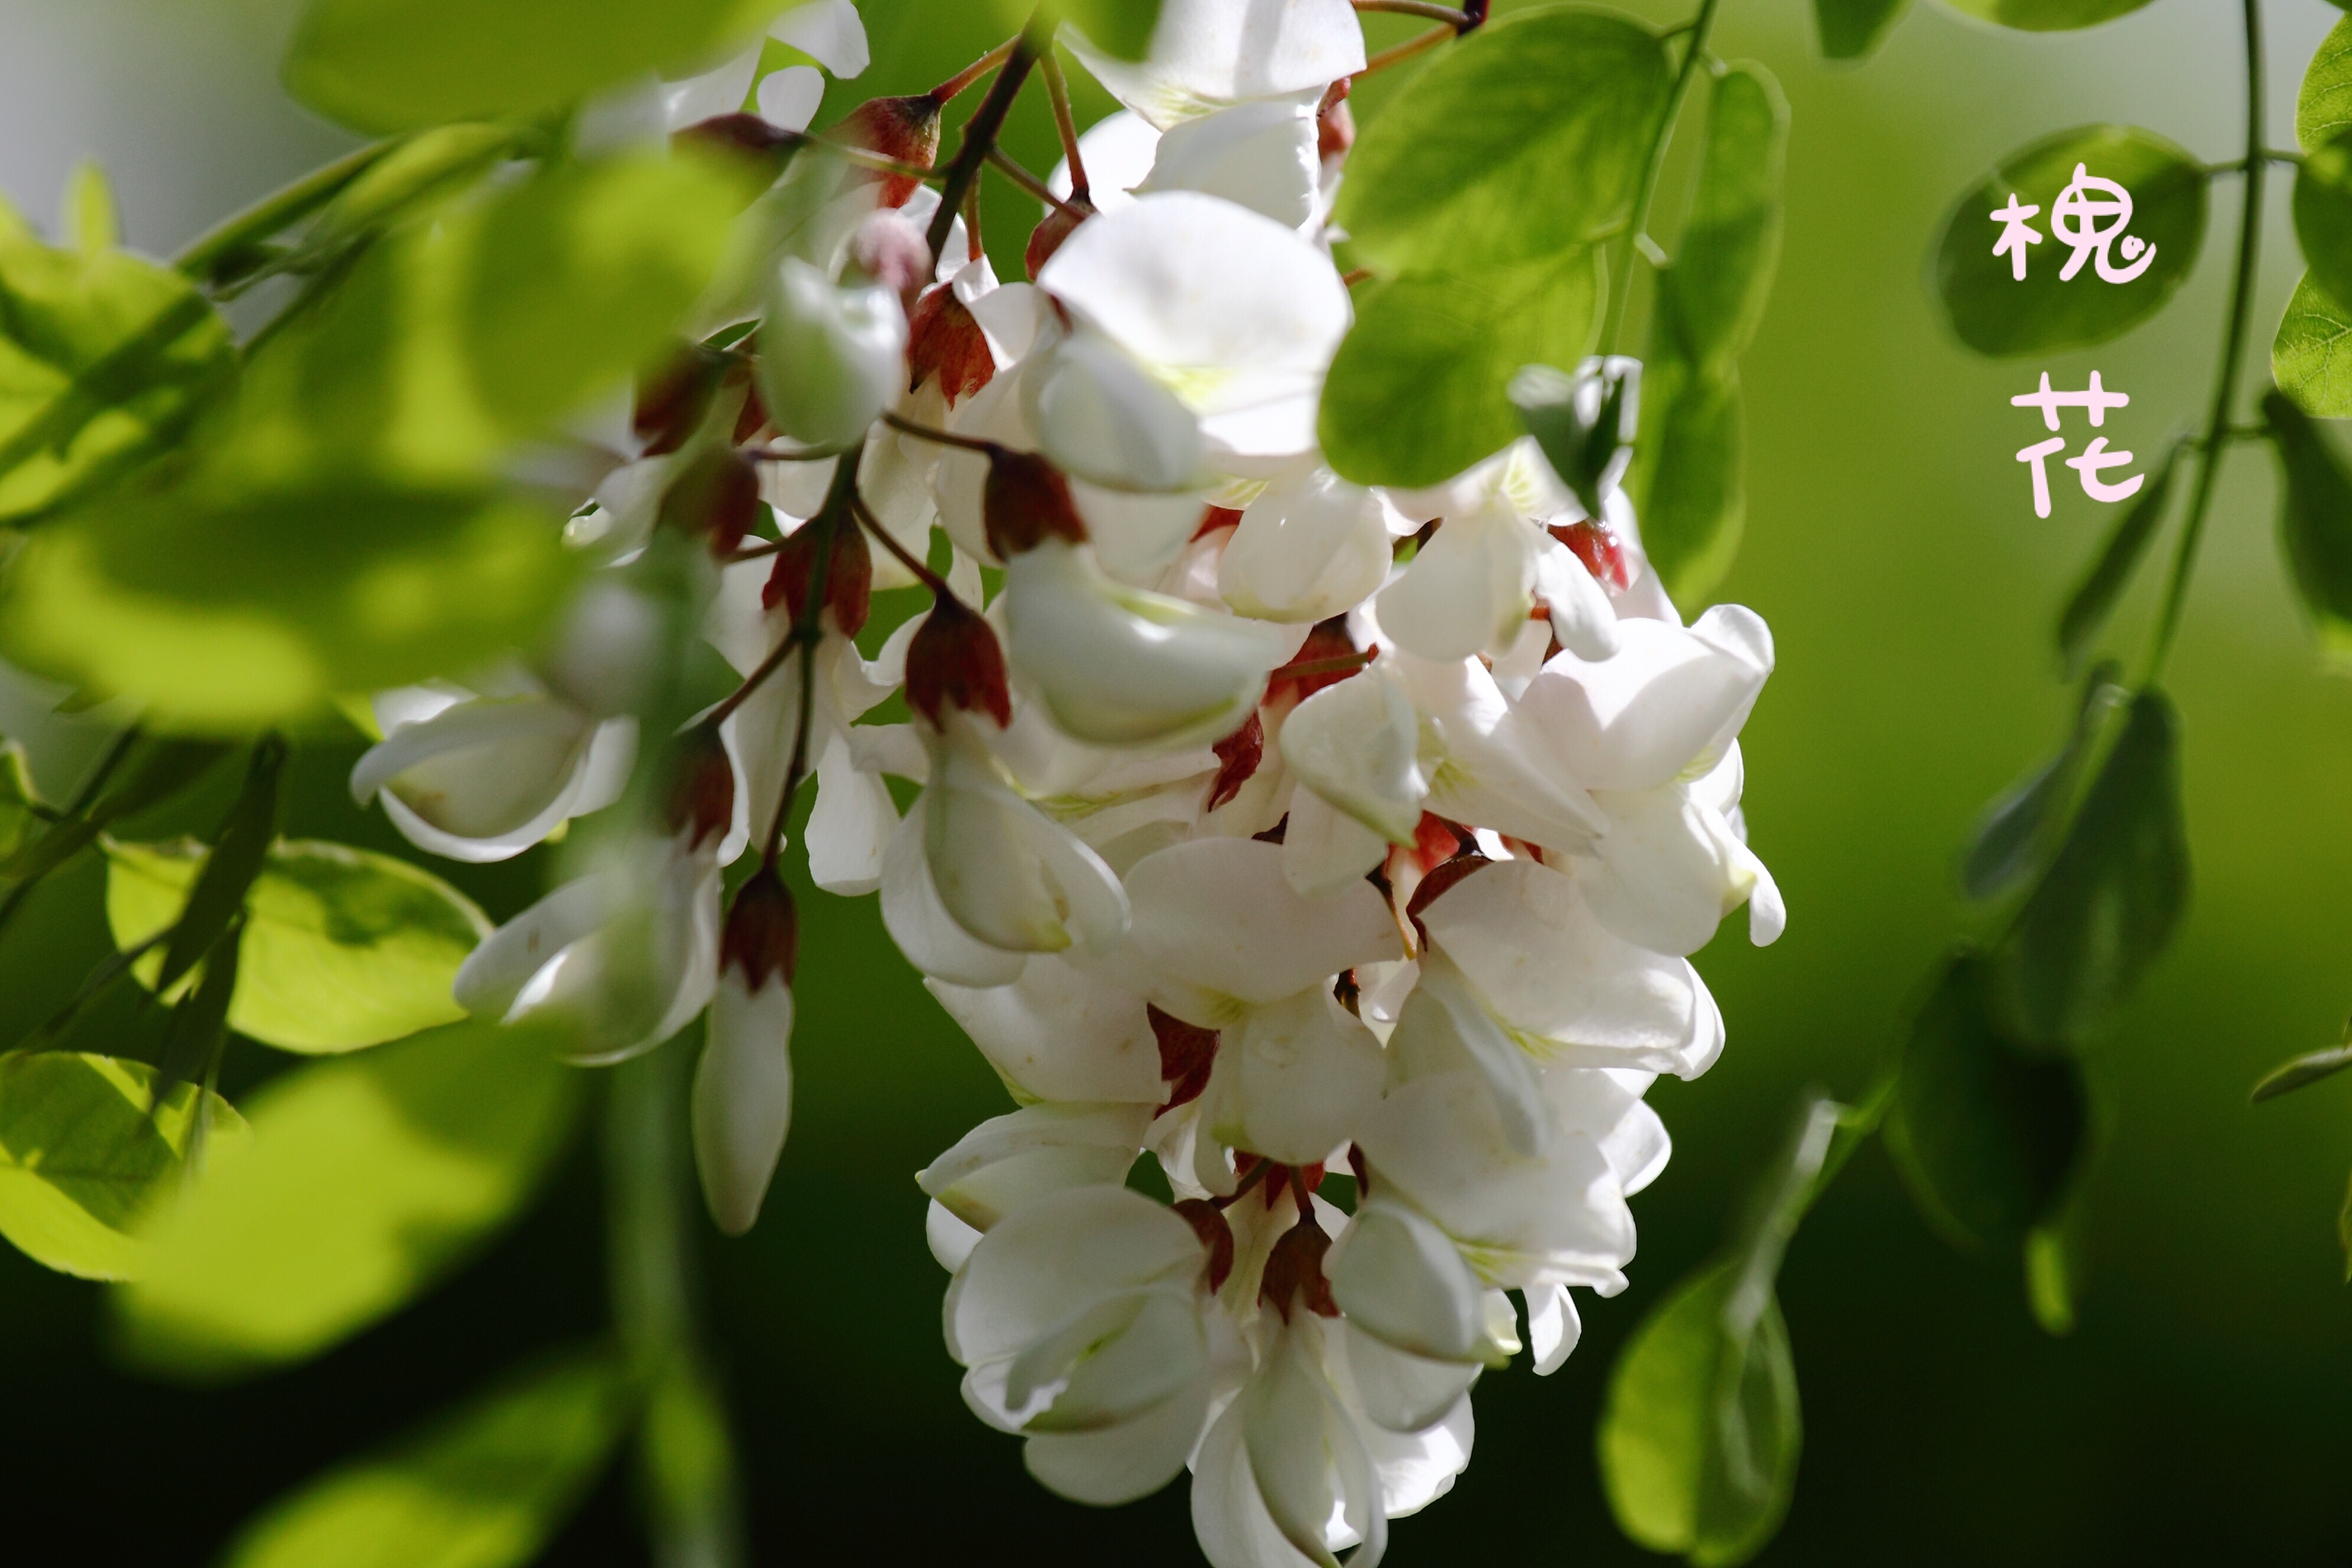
[1694,52]
[972,72]
[1066,124]
[2233,342]
[208,258]
[905,557]
[808,630]
[1417,44]
[944,438]
[980,131]
[1004,165]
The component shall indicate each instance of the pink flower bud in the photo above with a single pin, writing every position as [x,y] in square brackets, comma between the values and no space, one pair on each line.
[1294,1271]
[1601,552]
[907,129]
[1209,1224]
[1053,228]
[1187,1052]
[1238,755]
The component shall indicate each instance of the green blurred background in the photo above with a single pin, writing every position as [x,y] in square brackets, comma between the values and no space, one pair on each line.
[2200,1412]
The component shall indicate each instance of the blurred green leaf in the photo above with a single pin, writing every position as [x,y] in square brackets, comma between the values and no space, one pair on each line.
[690,1461]
[1689,480]
[228,609]
[2323,214]
[161,767]
[2303,359]
[1527,137]
[1119,28]
[368,1178]
[1852,29]
[2344,1232]
[1985,1135]
[1996,313]
[427,166]
[2093,599]
[1714,295]
[2314,520]
[342,948]
[2048,16]
[17,798]
[2115,895]
[87,215]
[104,360]
[2052,1289]
[1416,392]
[2323,106]
[2305,1069]
[486,1487]
[398,65]
[83,1161]
[2015,836]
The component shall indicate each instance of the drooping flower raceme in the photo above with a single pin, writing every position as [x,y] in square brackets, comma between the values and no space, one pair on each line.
[1339,851]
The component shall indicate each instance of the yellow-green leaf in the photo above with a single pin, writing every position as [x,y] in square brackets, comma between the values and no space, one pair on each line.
[2309,358]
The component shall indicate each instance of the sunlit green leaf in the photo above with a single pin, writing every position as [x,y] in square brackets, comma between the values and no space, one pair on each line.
[2314,520]
[2323,214]
[2093,599]
[2305,1069]
[427,166]
[105,359]
[397,64]
[1712,296]
[1526,138]
[485,1487]
[2323,107]
[161,767]
[1689,479]
[2015,835]
[2048,16]
[2308,358]
[342,948]
[1851,29]
[1416,393]
[1120,28]
[19,820]
[367,1179]
[83,1161]
[1986,1135]
[218,894]
[1997,313]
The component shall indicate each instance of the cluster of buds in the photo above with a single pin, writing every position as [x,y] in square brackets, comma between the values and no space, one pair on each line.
[1339,849]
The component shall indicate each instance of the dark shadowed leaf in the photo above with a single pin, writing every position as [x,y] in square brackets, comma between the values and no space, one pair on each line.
[1689,480]
[2323,214]
[2323,107]
[1851,29]
[2048,16]
[2310,358]
[1714,294]
[1119,28]
[1994,313]
[485,1487]
[1526,138]
[2016,833]
[1416,393]
[1986,1135]
[2314,520]
[2093,599]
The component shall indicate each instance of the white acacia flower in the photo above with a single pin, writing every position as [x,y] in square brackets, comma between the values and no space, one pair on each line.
[832,358]
[1207,54]
[1009,1162]
[1309,546]
[742,1099]
[1058,1033]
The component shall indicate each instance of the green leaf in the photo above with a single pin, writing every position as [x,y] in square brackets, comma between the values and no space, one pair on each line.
[19,820]
[1416,392]
[689,1458]
[2323,105]
[1995,313]
[427,167]
[88,218]
[2015,836]
[1985,1135]
[368,1178]
[397,64]
[227,608]
[1714,295]
[342,948]
[2303,359]
[218,894]
[2306,1069]
[2093,599]
[1852,29]
[2314,520]
[1526,138]
[486,1487]
[162,767]
[1699,1436]
[105,360]
[2048,16]
[83,1161]
[2115,895]
[1119,28]
[1690,471]
[2323,214]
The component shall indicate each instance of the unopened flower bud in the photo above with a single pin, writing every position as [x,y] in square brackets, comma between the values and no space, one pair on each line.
[742,1099]
[672,397]
[943,339]
[1294,1271]
[1602,553]
[1584,421]
[848,578]
[955,661]
[762,936]
[1335,126]
[887,249]
[1025,501]
[1208,1223]
[702,786]
[716,497]
[831,359]
[907,129]
[1052,229]
[1187,1052]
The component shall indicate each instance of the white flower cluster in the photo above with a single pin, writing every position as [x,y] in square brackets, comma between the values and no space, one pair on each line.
[1270,824]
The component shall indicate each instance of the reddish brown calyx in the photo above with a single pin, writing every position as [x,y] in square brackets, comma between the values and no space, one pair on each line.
[1601,552]
[763,937]
[1209,1224]
[1435,843]
[1025,501]
[906,129]
[956,662]
[848,577]
[1187,1053]
[1238,755]
[1363,1172]
[1057,224]
[715,496]
[1314,666]
[943,339]
[1294,1271]
[701,800]
[1335,126]
[673,396]
[744,138]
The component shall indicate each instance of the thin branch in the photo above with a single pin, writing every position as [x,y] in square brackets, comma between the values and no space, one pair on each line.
[972,73]
[1065,126]
[206,258]
[1396,54]
[83,799]
[943,437]
[807,631]
[980,131]
[1623,294]
[905,557]
[1458,20]
[1003,165]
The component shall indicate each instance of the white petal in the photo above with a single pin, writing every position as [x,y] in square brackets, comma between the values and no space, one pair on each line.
[919,923]
[482,780]
[1219,914]
[1121,1463]
[850,826]
[1007,875]
[1305,1453]
[1400,1278]
[1442,1028]
[1325,851]
[720,90]
[829,32]
[1581,615]
[1553,1326]
[1402,1392]
[1205,53]
[1467,590]
[1011,1160]
[1260,155]
[1058,1034]
[1486,767]
[1310,547]
[1292,1079]
[1668,869]
[831,359]
[789,98]
[1101,416]
[1118,151]
[1135,534]
[1059,1252]
[742,1101]
[1355,744]
[1669,699]
[495,973]
[950,1239]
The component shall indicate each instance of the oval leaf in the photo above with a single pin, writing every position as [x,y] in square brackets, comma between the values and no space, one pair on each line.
[1996,313]
[367,1179]
[2308,359]
[1712,296]
[2305,1071]
[2014,834]
[2048,16]
[84,1160]
[1527,137]
[2323,107]
[1690,474]
[486,1487]
[1986,1136]
[342,948]
[1851,29]
[2322,215]
[2314,520]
